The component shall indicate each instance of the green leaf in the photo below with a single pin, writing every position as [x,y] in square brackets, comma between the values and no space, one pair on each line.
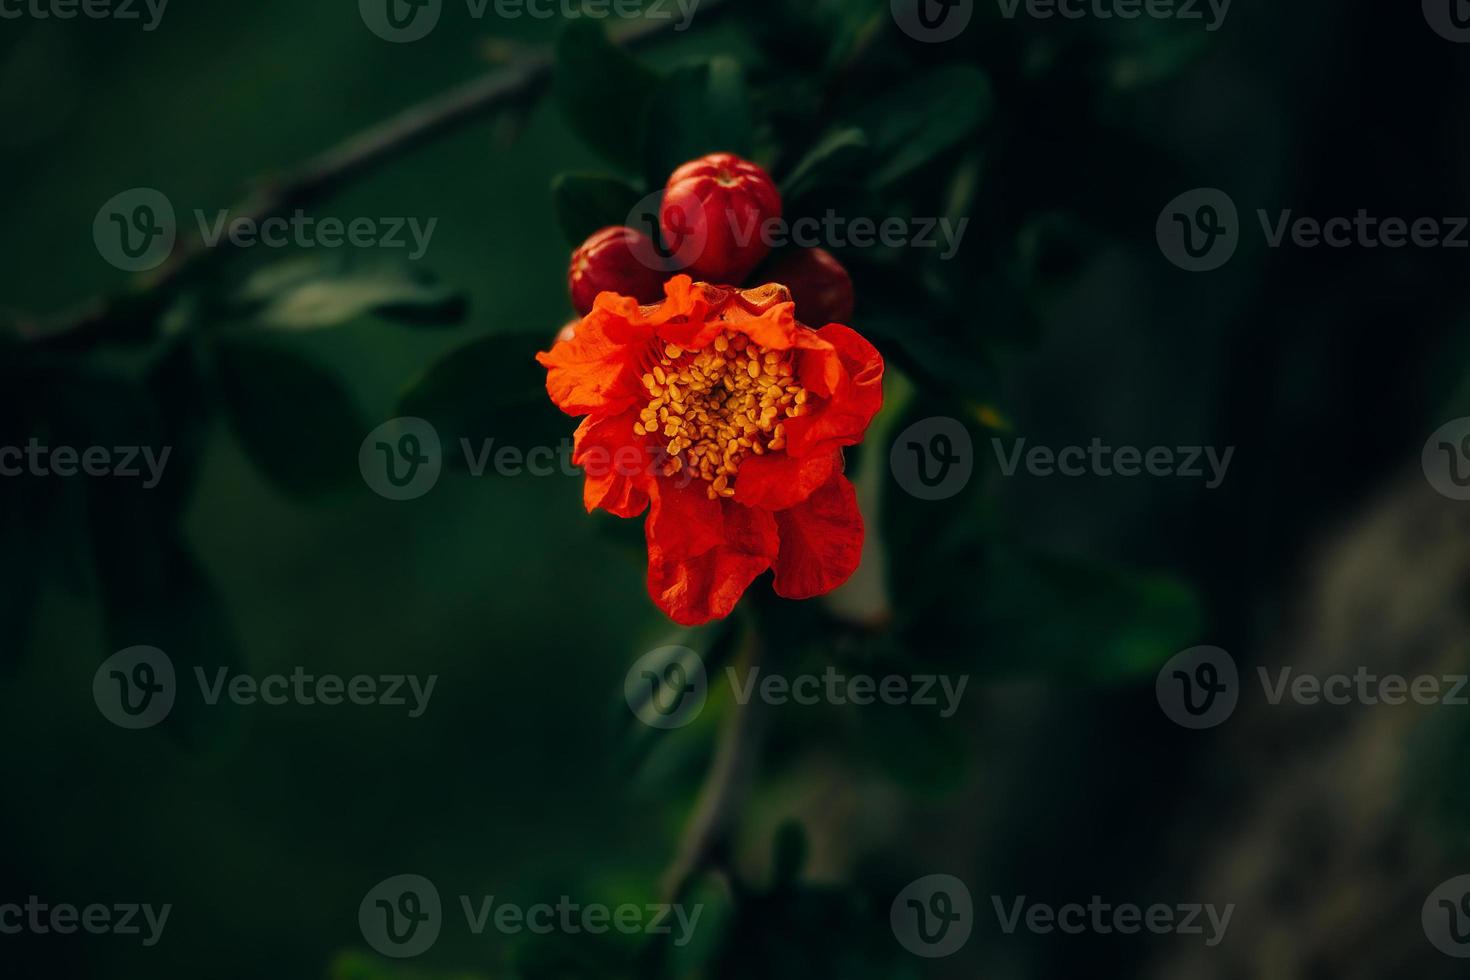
[920,119]
[931,351]
[587,203]
[156,593]
[836,157]
[294,419]
[311,293]
[356,965]
[489,389]
[916,748]
[698,109]
[603,92]
[1084,620]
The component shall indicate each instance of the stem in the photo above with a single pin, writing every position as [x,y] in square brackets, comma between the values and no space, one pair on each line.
[330,172]
[707,837]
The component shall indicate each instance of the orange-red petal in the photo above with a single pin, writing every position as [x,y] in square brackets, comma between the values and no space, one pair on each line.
[851,402]
[615,463]
[591,373]
[821,541]
[777,481]
[693,583]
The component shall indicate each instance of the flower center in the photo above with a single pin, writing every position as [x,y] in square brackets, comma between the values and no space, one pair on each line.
[717,405]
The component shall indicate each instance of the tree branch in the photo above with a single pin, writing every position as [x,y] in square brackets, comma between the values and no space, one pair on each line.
[706,838]
[330,172]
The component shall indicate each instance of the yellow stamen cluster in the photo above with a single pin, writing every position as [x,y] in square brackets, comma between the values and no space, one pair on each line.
[715,406]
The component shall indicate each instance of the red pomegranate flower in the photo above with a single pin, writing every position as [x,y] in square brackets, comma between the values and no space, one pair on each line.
[725,417]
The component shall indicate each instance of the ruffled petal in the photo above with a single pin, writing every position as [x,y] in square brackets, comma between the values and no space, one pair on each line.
[683,522]
[777,481]
[591,372]
[821,542]
[850,403]
[695,588]
[616,463]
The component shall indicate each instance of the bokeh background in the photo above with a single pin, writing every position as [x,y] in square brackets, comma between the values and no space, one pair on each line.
[1060,321]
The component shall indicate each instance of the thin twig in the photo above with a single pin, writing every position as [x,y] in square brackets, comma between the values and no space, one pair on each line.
[332,171]
[707,836]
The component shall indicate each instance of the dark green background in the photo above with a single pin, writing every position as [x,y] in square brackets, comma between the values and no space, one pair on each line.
[265,826]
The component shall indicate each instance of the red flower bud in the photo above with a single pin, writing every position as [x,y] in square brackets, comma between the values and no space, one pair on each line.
[713,217]
[615,260]
[818,282]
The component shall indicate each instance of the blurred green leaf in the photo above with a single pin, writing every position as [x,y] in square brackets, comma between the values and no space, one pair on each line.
[916,121]
[311,293]
[603,92]
[915,747]
[491,388]
[357,965]
[1083,621]
[698,109]
[588,203]
[838,156]
[772,937]
[293,418]
[715,643]
[934,350]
